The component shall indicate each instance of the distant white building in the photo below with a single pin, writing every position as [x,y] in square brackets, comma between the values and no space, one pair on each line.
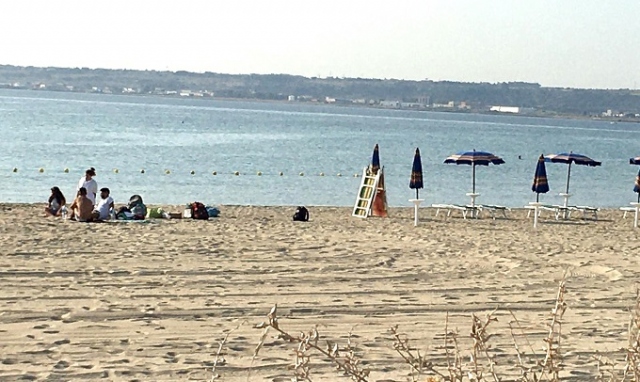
[291,98]
[505,109]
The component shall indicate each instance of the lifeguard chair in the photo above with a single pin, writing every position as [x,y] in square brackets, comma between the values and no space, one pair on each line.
[372,196]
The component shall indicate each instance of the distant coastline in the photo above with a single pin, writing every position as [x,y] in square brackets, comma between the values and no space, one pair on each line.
[513,98]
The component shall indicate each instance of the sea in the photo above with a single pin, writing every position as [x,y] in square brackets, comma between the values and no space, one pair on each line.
[179,150]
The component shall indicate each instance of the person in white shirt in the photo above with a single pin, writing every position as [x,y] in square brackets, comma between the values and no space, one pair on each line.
[105,205]
[89,184]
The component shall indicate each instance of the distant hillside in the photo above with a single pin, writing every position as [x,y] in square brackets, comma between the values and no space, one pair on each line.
[529,97]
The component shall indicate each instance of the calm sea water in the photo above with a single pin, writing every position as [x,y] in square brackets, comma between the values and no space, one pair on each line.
[55,131]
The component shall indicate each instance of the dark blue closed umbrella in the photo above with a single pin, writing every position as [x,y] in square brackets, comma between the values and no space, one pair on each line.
[474,158]
[636,186]
[375,160]
[569,159]
[540,183]
[416,182]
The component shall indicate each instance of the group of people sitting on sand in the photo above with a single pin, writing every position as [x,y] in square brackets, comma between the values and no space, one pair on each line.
[84,207]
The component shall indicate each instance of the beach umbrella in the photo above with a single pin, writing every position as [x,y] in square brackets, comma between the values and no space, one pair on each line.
[375,160]
[635,160]
[636,186]
[569,159]
[416,173]
[474,158]
[540,183]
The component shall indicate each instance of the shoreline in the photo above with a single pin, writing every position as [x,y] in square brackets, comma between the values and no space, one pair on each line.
[542,114]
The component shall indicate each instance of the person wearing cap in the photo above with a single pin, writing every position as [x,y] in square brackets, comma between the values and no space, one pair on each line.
[105,205]
[89,184]
[82,209]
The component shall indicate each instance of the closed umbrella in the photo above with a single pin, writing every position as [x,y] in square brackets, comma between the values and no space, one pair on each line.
[375,160]
[540,183]
[416,173]
[636,186]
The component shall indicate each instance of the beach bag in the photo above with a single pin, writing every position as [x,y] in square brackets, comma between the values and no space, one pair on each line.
[137,207]
[199,211]
[213,212]
[301,214]
[155,213]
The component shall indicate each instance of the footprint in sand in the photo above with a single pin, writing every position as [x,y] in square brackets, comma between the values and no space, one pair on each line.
[597,271]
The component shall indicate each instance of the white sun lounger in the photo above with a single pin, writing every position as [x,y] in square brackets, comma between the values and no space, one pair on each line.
[544,207]
[626,210]
[493,210]
[558,210]
[464,209]
[587,210]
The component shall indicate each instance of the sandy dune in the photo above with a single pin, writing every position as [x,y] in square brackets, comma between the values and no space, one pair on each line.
[149,302]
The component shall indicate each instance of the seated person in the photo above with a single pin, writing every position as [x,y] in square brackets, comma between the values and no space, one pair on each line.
[104,206]
[82,207]
[56,202]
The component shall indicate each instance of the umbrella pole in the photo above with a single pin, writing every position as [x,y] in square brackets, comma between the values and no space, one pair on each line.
[537,197]
[473,175]
[568,177]
[417,194]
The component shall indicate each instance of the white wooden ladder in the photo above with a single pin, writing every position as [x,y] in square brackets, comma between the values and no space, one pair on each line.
[366,193]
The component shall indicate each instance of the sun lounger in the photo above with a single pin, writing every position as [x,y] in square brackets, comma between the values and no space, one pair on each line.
[544,207]
[586,210]
[558,210]
[626,210]
[464,209]
[493,210]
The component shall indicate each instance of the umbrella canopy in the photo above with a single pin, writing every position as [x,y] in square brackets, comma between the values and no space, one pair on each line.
[540,183]
[571,158]
[375,160]
[636,186]
[635,160]
[416,173]
[474,158]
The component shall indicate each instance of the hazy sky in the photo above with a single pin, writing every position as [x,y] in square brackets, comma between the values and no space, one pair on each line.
[569,43]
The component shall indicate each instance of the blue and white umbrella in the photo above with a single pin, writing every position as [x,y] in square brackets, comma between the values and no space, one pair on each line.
[569,159]
[474,158]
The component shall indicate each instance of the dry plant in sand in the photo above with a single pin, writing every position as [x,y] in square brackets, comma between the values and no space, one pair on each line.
[345,358]
[632,367]
[631,371]
[479,367]
[475,364]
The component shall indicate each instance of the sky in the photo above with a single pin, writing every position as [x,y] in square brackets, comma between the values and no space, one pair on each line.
[558,43]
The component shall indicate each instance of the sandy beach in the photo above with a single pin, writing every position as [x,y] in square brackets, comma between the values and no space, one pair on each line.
[151,301]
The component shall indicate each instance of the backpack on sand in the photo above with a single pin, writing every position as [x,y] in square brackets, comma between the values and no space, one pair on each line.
[301,214]
[199,211]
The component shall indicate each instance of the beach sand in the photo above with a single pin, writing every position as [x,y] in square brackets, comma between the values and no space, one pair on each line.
[151,301]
